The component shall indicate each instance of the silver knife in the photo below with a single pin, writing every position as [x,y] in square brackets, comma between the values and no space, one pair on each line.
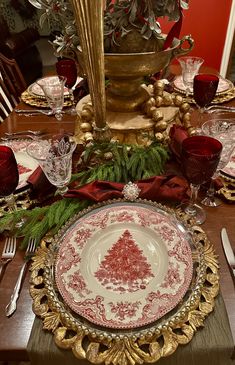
[228,250]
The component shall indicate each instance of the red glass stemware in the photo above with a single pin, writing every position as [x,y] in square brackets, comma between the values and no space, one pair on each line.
[204,89]
[200,157]
[67,68]
[9,175]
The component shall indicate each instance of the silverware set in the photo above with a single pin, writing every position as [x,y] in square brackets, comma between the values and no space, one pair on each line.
[23,134]
[8,254]
[228,250]
[215,108]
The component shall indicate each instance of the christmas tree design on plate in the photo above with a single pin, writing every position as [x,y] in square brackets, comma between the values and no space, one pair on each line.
[124,267]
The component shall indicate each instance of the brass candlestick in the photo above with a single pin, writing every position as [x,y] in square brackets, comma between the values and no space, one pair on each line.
[89,18]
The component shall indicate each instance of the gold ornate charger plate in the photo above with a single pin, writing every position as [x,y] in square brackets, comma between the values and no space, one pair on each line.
[126,346]
[39,102]
[223,87]
[218,99]
[124,266]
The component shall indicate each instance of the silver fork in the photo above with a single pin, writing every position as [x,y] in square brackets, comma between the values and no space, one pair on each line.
[8,252]
[11,306]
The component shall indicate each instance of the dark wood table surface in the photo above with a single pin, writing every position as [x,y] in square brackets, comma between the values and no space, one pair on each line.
[15,331]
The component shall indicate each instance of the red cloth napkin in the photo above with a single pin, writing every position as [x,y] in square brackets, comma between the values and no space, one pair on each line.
[157,188]
[40,185]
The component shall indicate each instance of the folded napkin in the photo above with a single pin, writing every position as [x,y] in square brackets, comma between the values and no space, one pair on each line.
[157,188]
[177,134]
[40,185]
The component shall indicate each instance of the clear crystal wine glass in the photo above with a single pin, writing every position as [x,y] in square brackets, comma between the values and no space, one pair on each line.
[200,157]
[190,67]
[224,131]
[54,155]
[53,89]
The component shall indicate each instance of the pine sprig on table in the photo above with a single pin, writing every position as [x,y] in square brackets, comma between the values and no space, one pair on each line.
[40,221]
[122,163]
[113,162]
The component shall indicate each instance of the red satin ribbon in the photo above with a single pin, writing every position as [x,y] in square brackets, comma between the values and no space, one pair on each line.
[157,188]
[175,30]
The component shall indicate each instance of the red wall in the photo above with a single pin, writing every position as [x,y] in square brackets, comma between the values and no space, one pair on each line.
[206,21]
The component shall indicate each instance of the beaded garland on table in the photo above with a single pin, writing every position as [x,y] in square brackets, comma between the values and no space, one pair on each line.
[85,131]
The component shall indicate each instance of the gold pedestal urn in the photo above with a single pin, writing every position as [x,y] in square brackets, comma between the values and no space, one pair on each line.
[136,113]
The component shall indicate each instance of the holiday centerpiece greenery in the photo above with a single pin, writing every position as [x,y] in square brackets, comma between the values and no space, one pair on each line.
[121,19]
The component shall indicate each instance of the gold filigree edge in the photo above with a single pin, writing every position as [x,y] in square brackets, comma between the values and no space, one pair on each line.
[149,344]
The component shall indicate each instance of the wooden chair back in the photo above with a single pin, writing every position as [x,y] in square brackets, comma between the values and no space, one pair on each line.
[12,84]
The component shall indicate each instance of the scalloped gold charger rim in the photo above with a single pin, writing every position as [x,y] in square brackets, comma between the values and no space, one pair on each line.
[219,99]
[39,102]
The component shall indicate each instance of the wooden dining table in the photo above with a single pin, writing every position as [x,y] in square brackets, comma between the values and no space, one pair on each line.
[15,330]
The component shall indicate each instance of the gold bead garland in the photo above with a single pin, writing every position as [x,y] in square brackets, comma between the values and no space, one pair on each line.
[158,98]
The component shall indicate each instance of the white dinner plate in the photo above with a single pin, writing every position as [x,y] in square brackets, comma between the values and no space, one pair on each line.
[123,266]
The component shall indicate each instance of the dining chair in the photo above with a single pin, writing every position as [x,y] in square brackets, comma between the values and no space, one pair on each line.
[12,84]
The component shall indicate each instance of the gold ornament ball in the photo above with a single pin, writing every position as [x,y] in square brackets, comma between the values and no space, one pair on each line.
[167,99]
[150,102]
[86,115]
[150,88]
[86,127]
[158,85]
[160,126]
[158,100]
[88,136]
[178,100]
[157,115]
[159,137]
[184,107]
[108,156]
[186,117]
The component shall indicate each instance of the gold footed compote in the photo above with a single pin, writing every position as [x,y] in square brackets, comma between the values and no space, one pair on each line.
[54,155]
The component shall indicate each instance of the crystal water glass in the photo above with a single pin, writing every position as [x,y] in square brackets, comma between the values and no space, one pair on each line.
[224,131]
[54,155]
[190,67]
[53,89]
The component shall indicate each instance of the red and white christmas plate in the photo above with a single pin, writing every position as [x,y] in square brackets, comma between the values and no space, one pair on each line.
[26,164]
[124,266]
[224,85]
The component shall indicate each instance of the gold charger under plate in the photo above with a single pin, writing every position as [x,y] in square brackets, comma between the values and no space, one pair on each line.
[39,102]
[228,189]
[218,99]
[144,344]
